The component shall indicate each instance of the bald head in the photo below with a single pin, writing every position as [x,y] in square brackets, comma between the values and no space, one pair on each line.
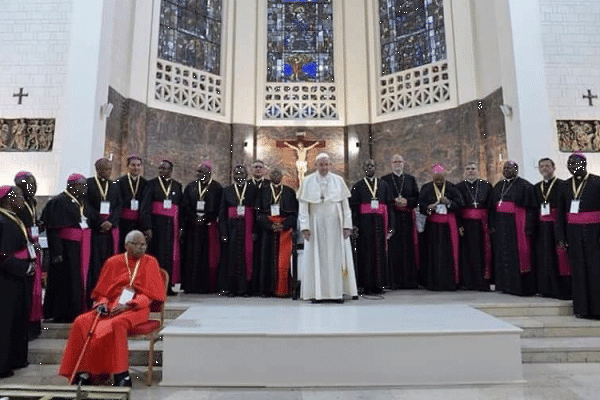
[103,168]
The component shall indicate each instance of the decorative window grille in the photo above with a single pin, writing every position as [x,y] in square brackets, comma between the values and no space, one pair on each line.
[189,54]
[414,67]
[300,71]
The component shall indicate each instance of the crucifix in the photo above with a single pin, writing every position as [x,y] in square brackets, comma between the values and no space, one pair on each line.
[20,95]
[590,97]
[301,146]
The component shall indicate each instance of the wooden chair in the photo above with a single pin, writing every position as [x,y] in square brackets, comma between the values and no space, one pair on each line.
[152,328]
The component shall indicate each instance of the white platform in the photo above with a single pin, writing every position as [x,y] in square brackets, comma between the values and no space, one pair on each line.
[339,345]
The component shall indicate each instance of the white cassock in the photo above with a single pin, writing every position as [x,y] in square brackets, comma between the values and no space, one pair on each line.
[327,269]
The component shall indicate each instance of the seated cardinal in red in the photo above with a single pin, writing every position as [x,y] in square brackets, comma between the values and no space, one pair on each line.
[128,284]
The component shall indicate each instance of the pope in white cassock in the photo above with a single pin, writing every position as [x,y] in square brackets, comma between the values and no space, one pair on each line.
[326,223]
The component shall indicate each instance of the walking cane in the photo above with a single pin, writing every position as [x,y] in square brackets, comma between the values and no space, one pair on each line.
[85,346]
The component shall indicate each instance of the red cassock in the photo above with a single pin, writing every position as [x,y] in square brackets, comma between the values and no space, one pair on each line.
[107,352]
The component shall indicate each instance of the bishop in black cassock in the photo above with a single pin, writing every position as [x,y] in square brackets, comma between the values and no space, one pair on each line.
[581,205]
[258,180]
[161,220]
[132,187]
[440,201]
[65,217]
[513,222]
[236,226]
[475,245]
[104,201]
[371,201]
[551,260]
[403,246]
[17,257]
[201,245]
[276,221]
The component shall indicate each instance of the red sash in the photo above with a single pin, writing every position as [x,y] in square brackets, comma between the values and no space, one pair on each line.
[284,257]
[523,245]
[173,212]
[450,220]
[248,241]
[564,267]
[214,254]
[584,218]
[84,237]
[415,232]
[365,208]
[130,215]
[481,215]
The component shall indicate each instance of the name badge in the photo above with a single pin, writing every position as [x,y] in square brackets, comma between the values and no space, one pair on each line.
[374,204]
[104,207]
[545,210]
[441,209]
[43,242]
[200,204]
[135,205]
[83,224]
[167,204]
[126,296]
[241,211]
[35,231]
[31,250]
[574,207]
[275,210]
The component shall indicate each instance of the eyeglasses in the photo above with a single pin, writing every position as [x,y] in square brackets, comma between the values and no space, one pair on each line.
[138,244]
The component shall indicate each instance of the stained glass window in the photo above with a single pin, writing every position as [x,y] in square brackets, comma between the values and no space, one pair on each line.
[190,33]
[412,34]
[300,41]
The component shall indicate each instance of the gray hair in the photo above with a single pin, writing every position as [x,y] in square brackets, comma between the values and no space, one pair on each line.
[131,235]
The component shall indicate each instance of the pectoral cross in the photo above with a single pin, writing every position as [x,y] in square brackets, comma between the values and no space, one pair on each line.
[475,203]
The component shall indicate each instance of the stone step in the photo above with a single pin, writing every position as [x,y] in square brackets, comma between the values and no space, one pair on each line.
[50,351]
[561,350]
[52,330]
[555,326]
[544,308]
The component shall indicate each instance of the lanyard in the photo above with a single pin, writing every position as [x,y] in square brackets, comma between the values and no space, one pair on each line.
[135,270]
[243,195]
[137,185]
[76,201]
[547,194]
[439,193]
[201,191]
[399,190]
[17,221]
[103,193]
[276,198]
[167,190]
[258,182]
[31,211]
[373,189]
[504,192]
[577,193]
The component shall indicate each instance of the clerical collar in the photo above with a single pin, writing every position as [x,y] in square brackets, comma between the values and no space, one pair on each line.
[101,179]
[398,174]
[510,180]
[471,181]
[165,179]
[372,178]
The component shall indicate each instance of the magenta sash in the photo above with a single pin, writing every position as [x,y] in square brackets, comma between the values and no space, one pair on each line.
[173,213]
[564,267]
[584,218]
[36,311]
[214,254]
[523,245]
[481,215]
[450,220]
[415,232]
[84,237]
[365,208]
[248,241]
[130,215]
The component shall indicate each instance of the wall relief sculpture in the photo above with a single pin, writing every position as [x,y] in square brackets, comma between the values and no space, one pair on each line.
[576,135]
[23,134]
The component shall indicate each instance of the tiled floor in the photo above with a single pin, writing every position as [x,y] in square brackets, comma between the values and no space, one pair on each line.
[543,381]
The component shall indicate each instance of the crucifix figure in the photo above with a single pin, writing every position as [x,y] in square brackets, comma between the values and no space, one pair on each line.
[590,97]
[301,146]
[20,95]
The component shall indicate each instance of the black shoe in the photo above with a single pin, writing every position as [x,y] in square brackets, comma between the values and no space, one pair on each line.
[315,301]
[170,292]
[354,297]
[338,301]
[7,374]
[83,379]
[123,379]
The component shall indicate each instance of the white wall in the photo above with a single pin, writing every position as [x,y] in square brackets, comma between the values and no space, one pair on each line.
[34,44]
[485,37]
[571,37]
[122,46]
